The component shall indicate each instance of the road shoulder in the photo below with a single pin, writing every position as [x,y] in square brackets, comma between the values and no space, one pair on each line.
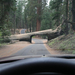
[9,50]
[52,51]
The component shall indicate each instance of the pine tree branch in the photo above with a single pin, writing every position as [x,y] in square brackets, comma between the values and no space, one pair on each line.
[71,22]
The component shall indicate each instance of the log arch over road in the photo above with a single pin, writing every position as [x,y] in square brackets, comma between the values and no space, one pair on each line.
[28,36]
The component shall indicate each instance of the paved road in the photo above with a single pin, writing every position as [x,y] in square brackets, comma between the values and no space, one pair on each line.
[34,49]
[23,31]
[38,41]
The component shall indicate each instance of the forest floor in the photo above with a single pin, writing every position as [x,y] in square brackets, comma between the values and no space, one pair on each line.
[65,44]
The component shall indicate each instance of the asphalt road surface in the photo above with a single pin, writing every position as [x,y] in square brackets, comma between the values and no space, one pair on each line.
[35,49]
[23,31]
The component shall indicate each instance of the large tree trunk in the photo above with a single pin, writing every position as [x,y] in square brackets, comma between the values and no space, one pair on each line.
[38,25]
[73,14]
[39,15]
[67,16]
[58,19]
[27,36]
[14,22]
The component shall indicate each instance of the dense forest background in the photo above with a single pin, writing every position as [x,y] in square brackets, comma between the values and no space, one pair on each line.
[35,15]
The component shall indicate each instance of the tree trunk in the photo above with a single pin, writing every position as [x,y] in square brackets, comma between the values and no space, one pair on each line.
[67,16]
[27,37]
[30,27]
[39,15]
[38,25]
[58,19]
[14,22]
[73,14]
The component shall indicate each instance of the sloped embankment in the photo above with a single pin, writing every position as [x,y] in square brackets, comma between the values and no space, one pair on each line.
[63,43]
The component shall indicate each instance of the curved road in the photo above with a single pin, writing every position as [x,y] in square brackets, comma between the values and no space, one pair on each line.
[23,31]
[34,49]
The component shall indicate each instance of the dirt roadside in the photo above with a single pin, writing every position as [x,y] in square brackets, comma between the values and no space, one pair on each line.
[9,50]
[51,51]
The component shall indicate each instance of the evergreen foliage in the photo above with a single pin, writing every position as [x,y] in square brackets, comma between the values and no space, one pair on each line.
[36,15]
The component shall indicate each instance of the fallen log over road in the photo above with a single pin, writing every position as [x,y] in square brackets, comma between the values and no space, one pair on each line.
[28,36]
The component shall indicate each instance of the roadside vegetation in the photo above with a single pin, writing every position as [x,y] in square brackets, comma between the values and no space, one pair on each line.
[66,44]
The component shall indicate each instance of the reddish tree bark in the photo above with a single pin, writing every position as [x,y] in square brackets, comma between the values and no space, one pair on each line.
[38,25]
[39,15]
